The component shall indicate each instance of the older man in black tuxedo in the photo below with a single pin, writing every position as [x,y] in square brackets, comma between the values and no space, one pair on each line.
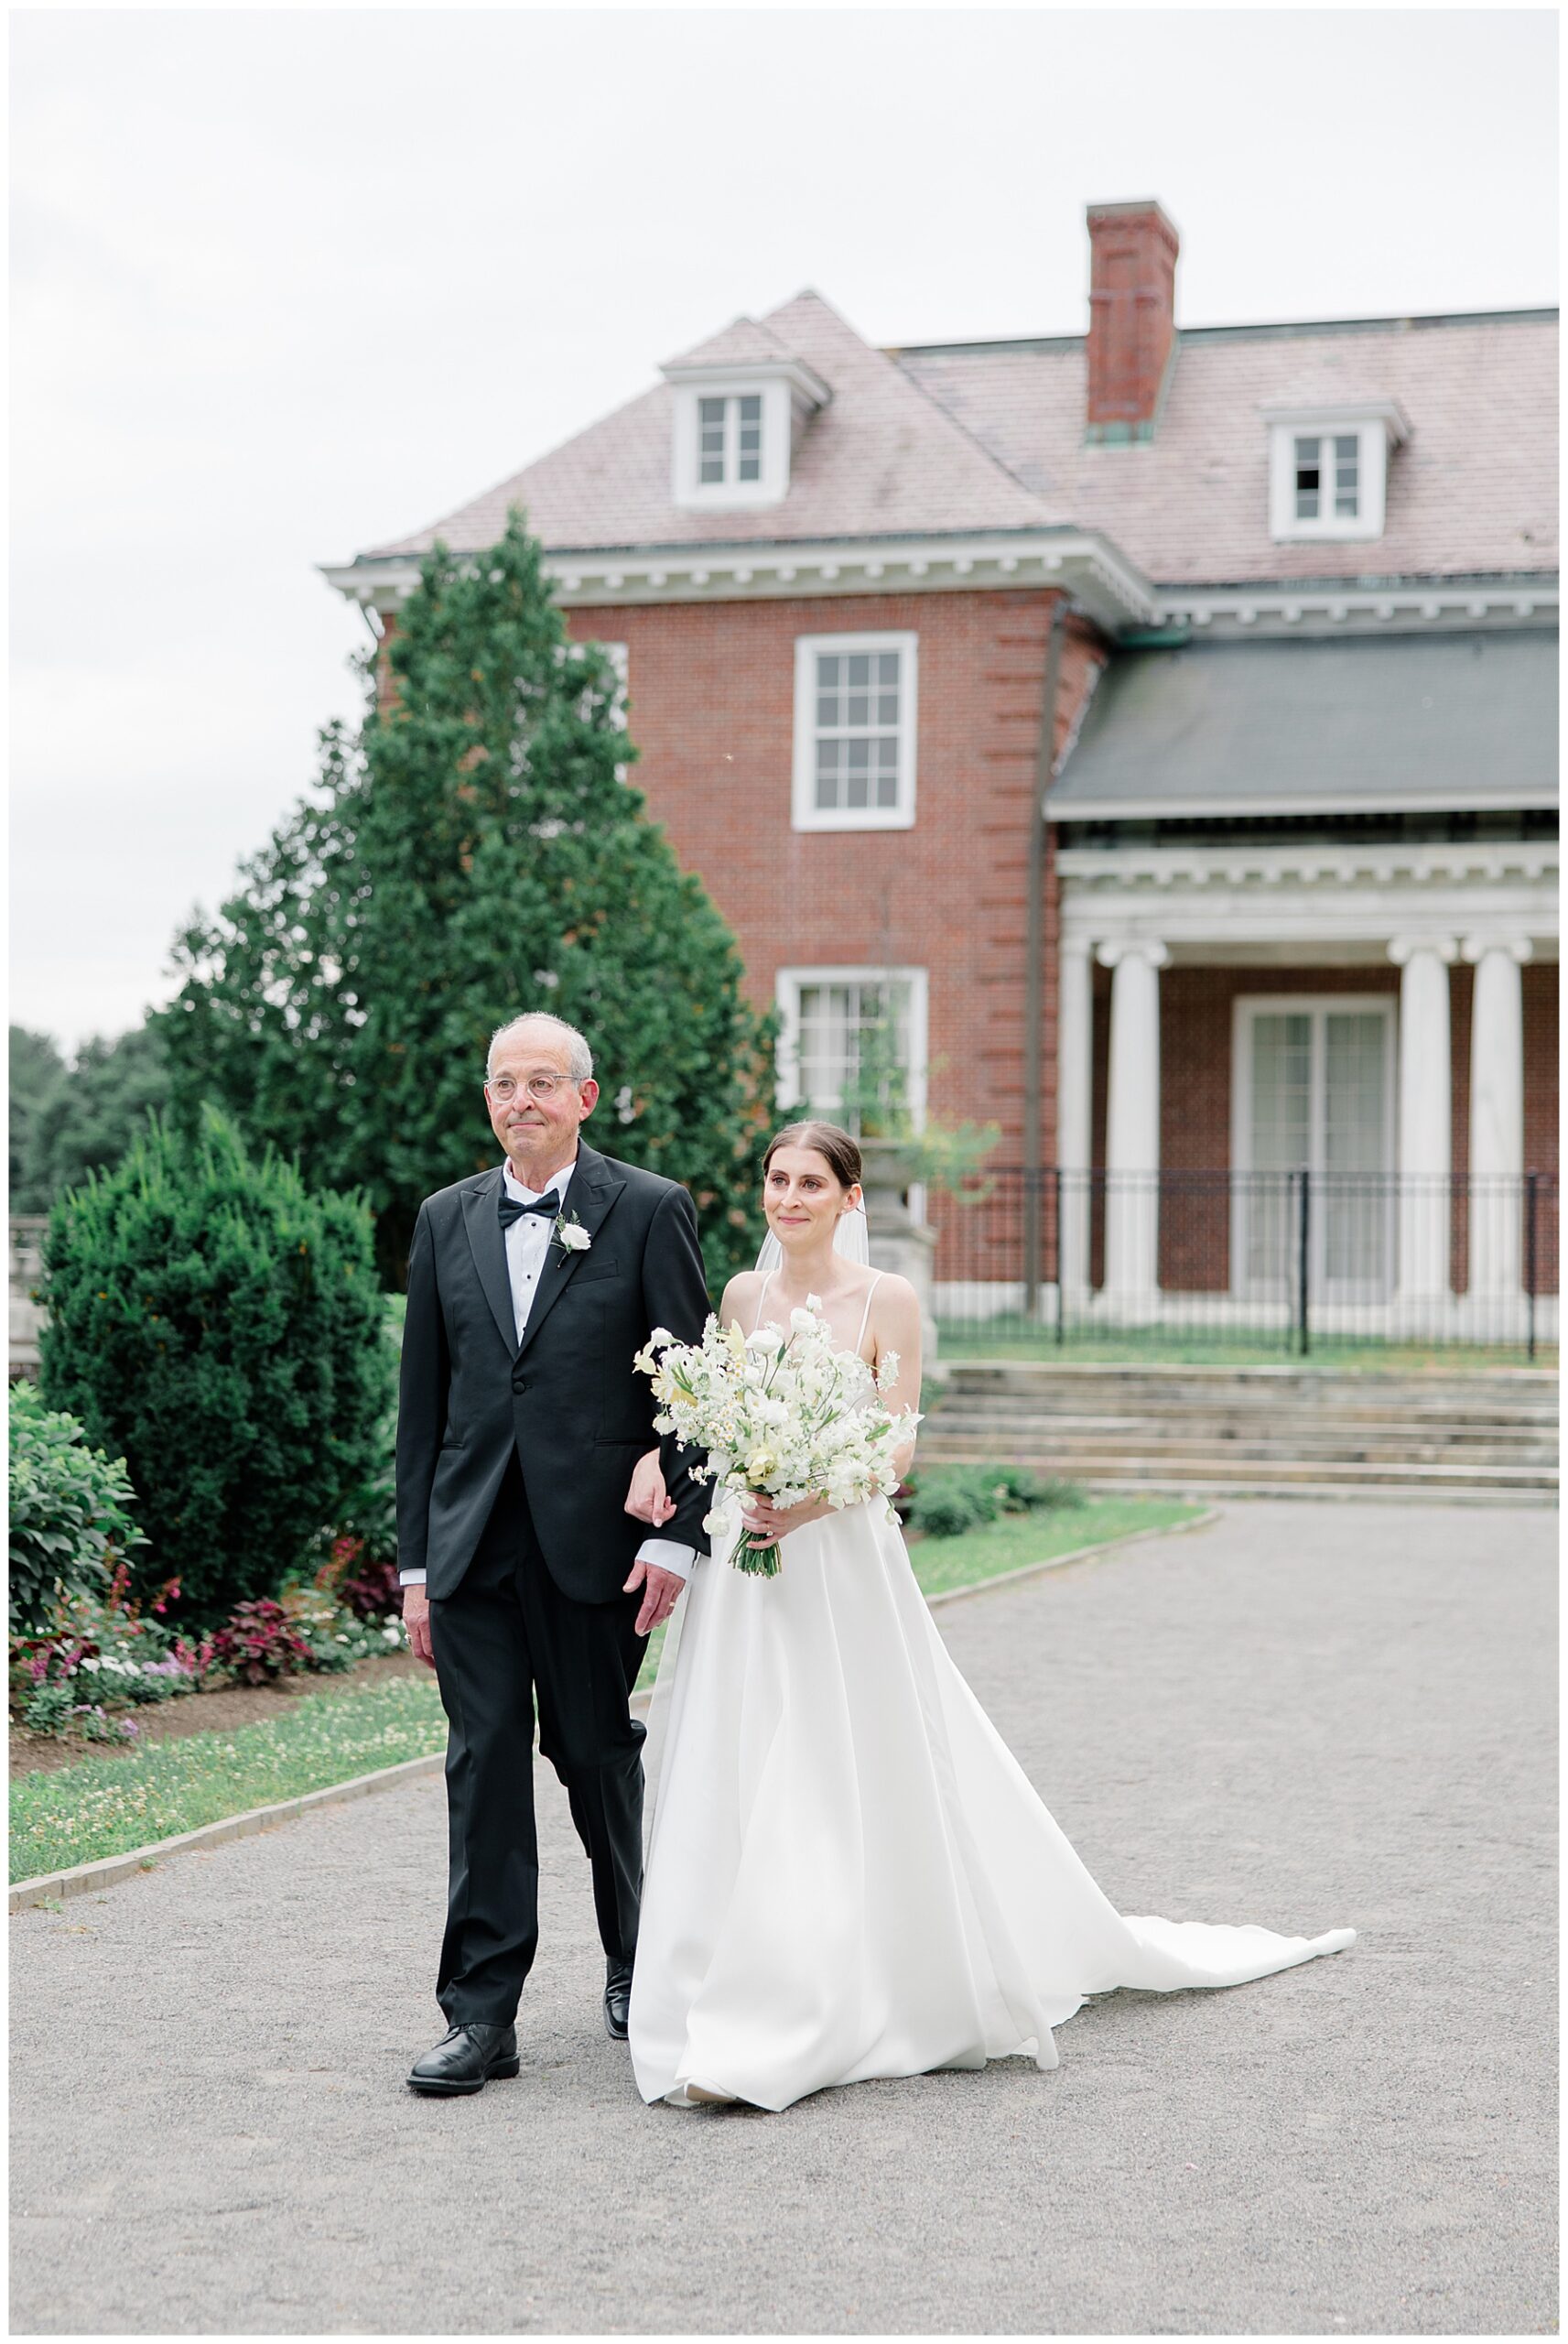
[526,1450]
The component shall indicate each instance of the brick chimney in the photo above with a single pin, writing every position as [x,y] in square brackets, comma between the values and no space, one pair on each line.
[1132,317]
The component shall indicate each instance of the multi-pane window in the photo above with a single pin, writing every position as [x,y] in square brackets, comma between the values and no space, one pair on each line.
[857,728]
[1315,1093]
[1327,476]
[729,440]
[852,1038]
[855,717]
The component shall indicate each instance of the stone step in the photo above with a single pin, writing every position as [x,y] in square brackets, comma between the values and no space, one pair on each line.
[1252,1442]
[1121,1467]
[1508,1388]
[1387,1360]
[1311,1425]
[1364,1492]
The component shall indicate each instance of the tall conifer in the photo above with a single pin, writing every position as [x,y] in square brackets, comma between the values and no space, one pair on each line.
[474,852]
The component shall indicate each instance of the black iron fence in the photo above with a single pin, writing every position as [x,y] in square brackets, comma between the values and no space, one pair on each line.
[1285,1261]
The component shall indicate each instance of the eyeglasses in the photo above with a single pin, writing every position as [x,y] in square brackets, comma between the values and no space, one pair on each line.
[542,1086]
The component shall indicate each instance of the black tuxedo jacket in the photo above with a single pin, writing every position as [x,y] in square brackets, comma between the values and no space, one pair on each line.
[567,1399]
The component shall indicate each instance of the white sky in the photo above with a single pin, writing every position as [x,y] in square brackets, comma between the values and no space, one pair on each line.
[286,284]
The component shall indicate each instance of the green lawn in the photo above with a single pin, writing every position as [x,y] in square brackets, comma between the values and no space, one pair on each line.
[103,1805]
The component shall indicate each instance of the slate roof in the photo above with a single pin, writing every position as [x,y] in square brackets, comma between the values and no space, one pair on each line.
[882,460]
[1474,489]
[743,343]
[1351,725]
[989,436]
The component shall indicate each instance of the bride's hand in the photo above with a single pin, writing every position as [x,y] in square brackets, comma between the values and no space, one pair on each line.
[647,1498]
[768,1523]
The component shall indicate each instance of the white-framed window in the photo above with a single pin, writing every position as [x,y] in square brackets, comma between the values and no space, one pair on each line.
[827,1019]
[856,716]
[1326,476]
[1328,472]
[732,439]
[1313,1088]
[729,438]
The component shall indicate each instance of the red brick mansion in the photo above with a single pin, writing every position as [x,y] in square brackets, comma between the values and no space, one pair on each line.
[1160,722]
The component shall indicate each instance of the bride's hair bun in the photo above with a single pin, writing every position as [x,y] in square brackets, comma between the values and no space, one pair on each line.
[830,1140]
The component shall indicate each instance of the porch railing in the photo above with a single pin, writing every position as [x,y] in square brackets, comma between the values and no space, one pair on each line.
[1286,1261]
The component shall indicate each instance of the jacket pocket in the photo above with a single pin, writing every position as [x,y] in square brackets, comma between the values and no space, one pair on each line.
[590,1274]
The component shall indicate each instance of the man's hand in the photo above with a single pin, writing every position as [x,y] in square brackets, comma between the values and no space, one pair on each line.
[647,1498]
[416,1620]
[660,1592]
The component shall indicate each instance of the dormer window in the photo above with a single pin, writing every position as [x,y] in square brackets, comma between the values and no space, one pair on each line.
[1327,477]
[730,439]
[1328,468]
[740,403]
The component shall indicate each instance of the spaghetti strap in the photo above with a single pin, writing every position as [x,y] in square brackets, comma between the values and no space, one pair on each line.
[866,1313]
[758,1320]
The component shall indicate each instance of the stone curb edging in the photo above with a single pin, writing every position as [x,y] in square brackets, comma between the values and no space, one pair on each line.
[106,1870]
[1078,1555]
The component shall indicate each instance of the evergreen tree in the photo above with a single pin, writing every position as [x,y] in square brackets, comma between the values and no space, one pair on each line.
[91,1114]
[36,1068]
[471,854]
[221,1329]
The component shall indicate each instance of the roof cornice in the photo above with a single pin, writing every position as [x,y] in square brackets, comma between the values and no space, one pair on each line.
[1099,578]
[1100,581]
[1340,606]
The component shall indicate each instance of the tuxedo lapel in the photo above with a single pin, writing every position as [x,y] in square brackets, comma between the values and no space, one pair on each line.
[590,1192]
[487,1243]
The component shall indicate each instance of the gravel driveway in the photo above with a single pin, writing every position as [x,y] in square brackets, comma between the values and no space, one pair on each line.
[1303,1715]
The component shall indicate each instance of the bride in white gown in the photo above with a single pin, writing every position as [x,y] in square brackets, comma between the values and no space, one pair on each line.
[847,1873]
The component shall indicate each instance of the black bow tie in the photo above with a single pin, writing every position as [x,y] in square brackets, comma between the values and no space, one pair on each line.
[512,1210]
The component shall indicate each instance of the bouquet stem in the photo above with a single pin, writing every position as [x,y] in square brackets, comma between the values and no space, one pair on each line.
[758,1562]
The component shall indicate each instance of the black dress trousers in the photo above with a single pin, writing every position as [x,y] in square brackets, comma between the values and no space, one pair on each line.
[505,1638]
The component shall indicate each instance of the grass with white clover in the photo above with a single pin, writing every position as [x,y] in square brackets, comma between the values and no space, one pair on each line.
[104,1806]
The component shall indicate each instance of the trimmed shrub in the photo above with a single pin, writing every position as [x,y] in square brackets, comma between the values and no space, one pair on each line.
[221,1326]
[951,1499]
[70,1513]
[945,1510]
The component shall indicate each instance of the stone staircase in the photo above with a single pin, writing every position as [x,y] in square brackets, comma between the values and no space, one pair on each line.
[1476,1436]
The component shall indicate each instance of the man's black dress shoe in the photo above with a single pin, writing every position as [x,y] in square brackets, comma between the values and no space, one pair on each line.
[618,2000]
[465,2059]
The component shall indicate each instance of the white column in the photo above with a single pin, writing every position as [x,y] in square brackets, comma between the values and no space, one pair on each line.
[1497,1112]
[1426,1113]
[1075,1083]
[1132,1130]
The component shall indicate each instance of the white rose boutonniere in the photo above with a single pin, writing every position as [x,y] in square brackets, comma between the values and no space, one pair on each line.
[570,1235]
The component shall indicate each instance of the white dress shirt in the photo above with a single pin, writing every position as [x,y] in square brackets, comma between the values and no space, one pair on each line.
[528,1240]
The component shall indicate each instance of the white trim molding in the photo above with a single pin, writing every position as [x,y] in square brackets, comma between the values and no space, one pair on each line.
[1289,905]
[1099,579]
[1334,606]
[806,813]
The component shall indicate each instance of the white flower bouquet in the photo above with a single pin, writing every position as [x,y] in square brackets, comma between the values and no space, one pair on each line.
[781,1413]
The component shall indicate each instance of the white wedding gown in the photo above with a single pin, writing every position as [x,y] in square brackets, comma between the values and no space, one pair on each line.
[847,1873]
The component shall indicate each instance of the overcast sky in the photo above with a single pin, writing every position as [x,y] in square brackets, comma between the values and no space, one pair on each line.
[289,284]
